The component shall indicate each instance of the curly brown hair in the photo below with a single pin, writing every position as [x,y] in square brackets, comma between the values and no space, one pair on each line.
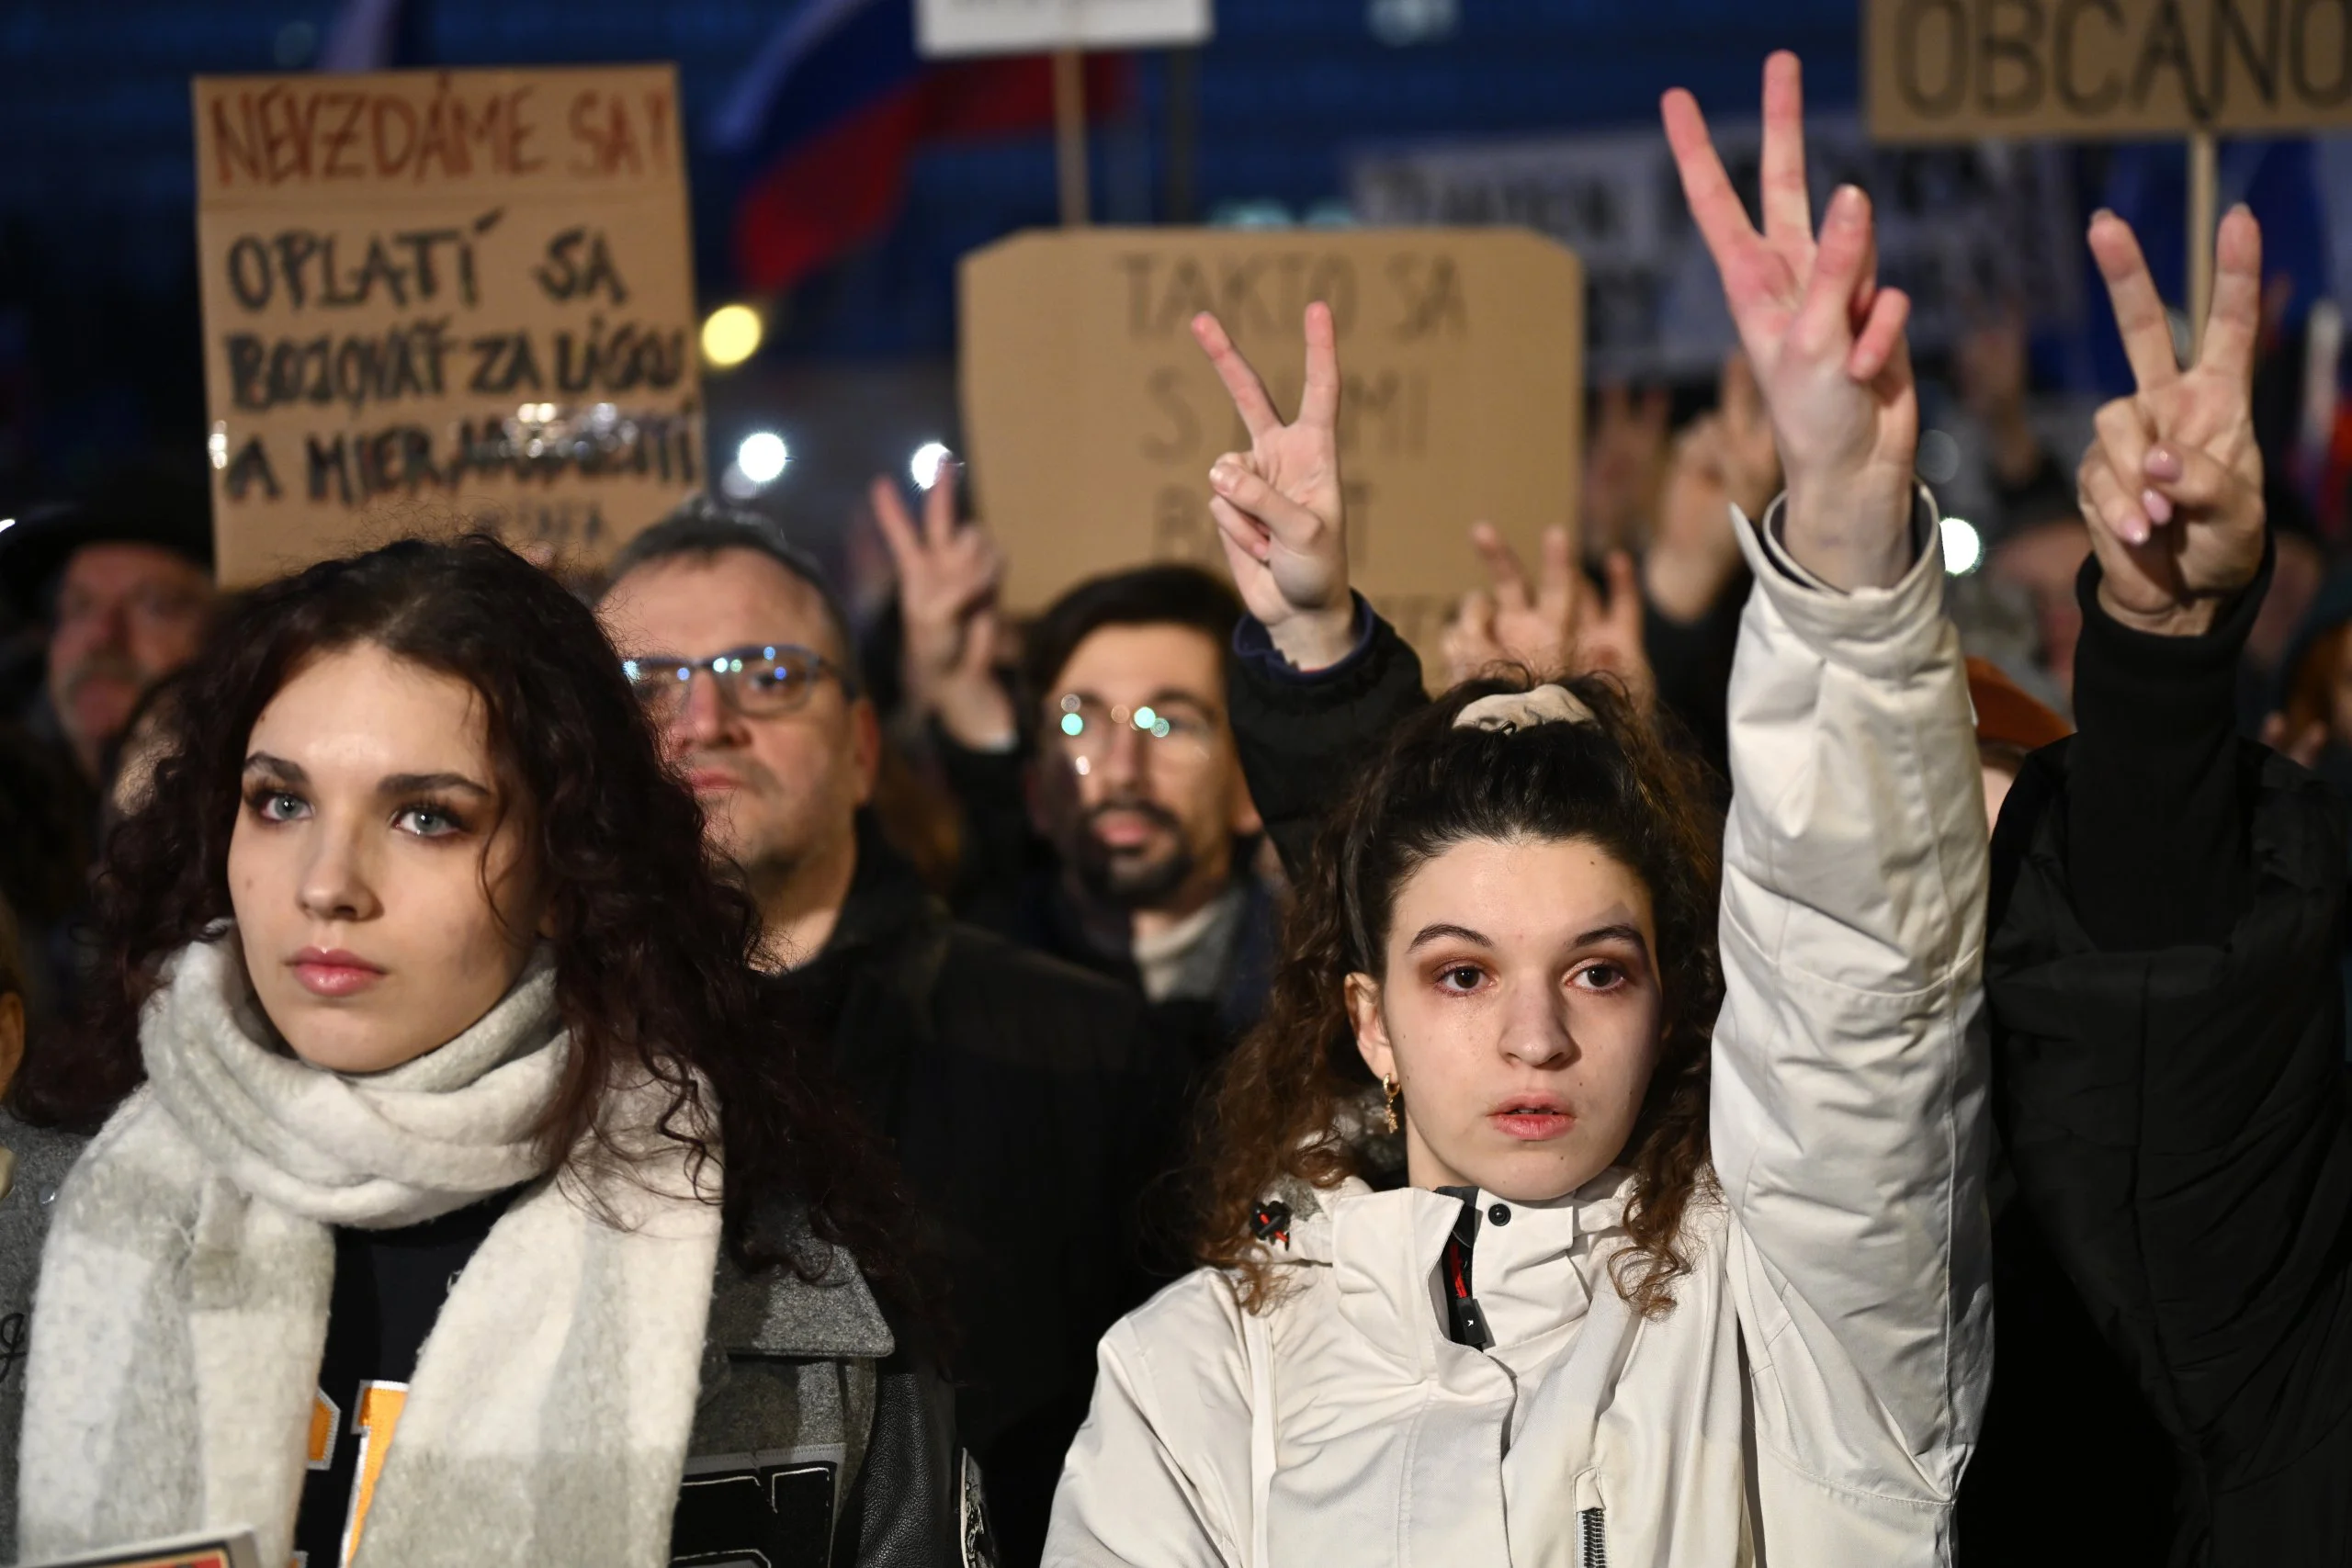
[653,941]
[1281,1110]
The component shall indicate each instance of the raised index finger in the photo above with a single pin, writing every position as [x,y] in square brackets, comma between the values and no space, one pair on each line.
[1241,383]
[2139,312]
[1714,205]
[2236,321]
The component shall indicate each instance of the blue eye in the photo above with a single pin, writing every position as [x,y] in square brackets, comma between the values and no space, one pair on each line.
[427,821]
[277,805]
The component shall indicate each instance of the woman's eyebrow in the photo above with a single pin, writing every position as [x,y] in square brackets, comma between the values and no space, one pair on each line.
[1439,933]
[1613,933]
[263,763]
[425,783]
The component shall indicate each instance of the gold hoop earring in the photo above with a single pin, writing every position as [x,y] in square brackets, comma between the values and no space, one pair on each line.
[1392,1088]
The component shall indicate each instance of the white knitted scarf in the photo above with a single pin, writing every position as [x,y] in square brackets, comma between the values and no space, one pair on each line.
[183,1299]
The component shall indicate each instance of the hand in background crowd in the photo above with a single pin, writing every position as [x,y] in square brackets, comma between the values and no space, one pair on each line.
[1624,465]
[1989,362]
[1560,625]
[2171,488]
[1826,341]
[1723,460]
[1278,506]
[949,572]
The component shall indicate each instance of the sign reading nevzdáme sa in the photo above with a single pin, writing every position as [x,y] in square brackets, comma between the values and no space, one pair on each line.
[444,297]
[1941,70]
[1092,416]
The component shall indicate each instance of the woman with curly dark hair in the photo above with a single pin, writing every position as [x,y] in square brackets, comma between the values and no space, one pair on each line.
[463,1205]
[1569,1207]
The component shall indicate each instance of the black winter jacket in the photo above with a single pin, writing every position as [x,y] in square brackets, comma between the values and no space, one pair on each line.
[1029,1106]
[2168,1029]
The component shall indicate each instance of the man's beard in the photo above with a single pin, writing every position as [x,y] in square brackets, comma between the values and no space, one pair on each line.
[1124,879]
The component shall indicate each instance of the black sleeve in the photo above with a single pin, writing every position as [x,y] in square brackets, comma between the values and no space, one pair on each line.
[909,1506]
[2168,1019]
[1302,737]
[1000,851]
[2155,826]
[1691,663]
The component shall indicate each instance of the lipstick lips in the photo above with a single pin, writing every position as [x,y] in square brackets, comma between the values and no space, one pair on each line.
[332,973]
[1533,1117]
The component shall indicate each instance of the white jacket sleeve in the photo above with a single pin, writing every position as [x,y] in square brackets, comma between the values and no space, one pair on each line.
[1849,1112]
[1158,1475]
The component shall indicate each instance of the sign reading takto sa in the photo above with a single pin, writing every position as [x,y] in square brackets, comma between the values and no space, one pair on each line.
[1092,416]
[435,299]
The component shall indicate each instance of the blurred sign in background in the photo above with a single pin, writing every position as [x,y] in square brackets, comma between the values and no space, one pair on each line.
[1965,230]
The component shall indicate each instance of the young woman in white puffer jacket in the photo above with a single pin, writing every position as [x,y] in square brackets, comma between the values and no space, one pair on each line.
[1664,1283]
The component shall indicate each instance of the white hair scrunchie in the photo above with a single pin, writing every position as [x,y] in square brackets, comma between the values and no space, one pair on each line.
[1510,711]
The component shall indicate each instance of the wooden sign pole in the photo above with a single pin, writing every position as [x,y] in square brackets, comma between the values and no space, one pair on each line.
[2203,191]
[1070,134]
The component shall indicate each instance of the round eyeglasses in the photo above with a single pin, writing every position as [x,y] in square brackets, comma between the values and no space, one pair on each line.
[758,682]
[1085,728]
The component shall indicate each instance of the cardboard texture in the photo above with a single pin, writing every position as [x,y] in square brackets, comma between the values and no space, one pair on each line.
[1948,69]
[946,28]
[436,299]
[1091,417]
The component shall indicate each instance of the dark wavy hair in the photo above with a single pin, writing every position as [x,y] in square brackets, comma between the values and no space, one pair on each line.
[653,943]
[1297,1084]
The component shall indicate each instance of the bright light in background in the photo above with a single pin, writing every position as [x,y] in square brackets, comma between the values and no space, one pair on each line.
[924,464]
[1963,548]
[730,334]
[762,456]
[6,523]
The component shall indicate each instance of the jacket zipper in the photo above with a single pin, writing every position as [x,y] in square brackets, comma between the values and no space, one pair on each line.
[1596,1537]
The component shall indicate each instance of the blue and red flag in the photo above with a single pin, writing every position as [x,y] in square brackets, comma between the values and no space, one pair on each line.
[826,118]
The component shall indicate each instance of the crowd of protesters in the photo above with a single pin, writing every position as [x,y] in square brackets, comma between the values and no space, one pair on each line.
[1781,1059]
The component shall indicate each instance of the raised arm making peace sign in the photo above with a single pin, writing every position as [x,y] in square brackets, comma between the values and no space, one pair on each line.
[1826,341]
[1278,507]
[2172,488]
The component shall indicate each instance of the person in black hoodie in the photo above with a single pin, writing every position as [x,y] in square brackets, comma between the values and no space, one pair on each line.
[2162,967]
[1027,1102]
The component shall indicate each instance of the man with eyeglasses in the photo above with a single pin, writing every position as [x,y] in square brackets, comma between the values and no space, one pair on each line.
[1122,839]
[1025,1103]
[114,588]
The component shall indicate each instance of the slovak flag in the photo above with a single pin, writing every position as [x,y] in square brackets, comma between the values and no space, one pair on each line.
[826,117]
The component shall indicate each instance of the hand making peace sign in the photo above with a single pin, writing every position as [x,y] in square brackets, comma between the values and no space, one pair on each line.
[1826,341]
[1278,506]
[2172,488]
[948,576]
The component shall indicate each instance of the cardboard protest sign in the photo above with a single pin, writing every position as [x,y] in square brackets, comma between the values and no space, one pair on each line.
[438,298]
[1091,417]
[1941,70]
[1032,26]
[1960,227]
[234,1550]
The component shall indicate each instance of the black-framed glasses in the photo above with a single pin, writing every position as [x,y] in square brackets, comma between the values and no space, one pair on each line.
[759,681]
